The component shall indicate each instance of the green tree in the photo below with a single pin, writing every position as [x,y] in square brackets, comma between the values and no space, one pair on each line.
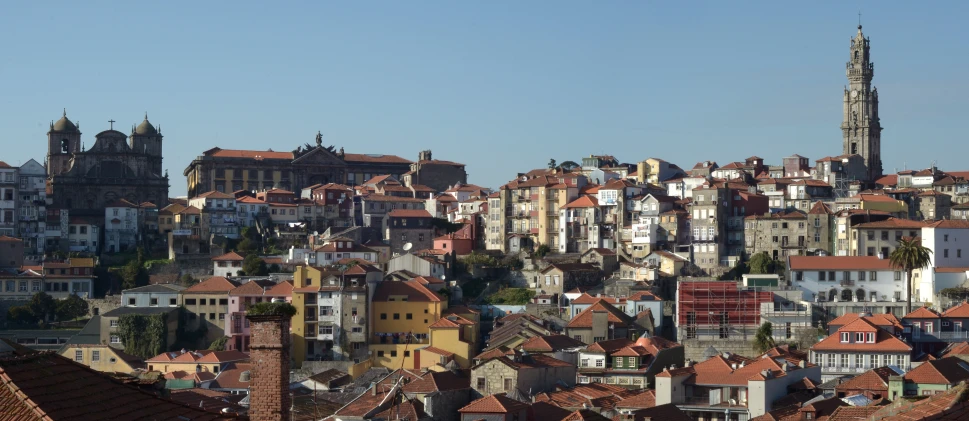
[21,315]
[254,266]
[246,246]
[542,250]
[72,307]
[42,306]
[764,339]
[551,164]
[274,268]
[187,280]
[134,275]
[568,166]
[219,344]
[908,256]
[761,263]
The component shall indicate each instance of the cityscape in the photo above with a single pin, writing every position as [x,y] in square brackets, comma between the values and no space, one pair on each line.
[313,280]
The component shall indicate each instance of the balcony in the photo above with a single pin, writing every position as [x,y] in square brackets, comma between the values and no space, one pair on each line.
[847,283]
[696,401]
[852,368]
[940,336]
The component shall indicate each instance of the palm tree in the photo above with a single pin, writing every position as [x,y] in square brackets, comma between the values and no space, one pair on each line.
[908,256]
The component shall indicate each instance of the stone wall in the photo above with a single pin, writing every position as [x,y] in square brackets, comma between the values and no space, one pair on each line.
[695,348]
[103,305]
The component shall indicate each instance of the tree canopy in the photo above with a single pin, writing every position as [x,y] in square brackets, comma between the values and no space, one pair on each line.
[764,339]
[254,266]
[72,307]
[908,256]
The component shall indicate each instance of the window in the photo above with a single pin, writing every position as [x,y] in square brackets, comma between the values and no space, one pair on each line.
[509,383]
[831,276]
[844,337]
[95,355]
[870,337]
[898,276]
[114,323]
[873,276]
[860,337]
[79,356]
[600,363]
[821,275]
[861,275]
[884,235]
[480,384]
[409,316]
[945,253]
[383,316]
[393,354]
[799,276]
[326,330]
[945,237]
[154,302]
[131,301]
[380,354]
[396,316]
[115,339]
[847,276]
[172,301]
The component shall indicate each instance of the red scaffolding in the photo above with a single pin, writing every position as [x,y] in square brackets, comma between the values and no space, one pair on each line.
[719,307]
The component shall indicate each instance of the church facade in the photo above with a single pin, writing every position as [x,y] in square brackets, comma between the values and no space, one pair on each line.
[117,166]
[861,127]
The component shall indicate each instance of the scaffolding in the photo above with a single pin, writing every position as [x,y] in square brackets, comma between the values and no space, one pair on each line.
[719,309]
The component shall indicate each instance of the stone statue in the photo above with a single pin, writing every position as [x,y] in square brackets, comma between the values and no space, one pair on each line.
[319,139]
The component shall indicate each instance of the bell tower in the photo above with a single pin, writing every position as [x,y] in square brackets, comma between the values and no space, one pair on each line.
[63,141]
[861,127]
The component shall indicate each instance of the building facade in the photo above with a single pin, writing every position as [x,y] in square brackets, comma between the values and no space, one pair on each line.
[861,127]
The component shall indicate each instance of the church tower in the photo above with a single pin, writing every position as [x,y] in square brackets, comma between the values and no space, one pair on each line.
[146,139]
[861,127]
[63,141]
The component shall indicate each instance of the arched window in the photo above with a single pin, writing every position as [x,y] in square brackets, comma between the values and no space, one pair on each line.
[833,294]
[856,54]
[860,294]
[846,295]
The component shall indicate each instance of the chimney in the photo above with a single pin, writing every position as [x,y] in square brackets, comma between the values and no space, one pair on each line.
[269,398]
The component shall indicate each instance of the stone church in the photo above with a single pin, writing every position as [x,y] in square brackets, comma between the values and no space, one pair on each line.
[115,167]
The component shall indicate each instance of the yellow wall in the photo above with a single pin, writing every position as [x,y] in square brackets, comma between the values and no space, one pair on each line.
[168,367]
[896,207]
[304,276]
[418,323]
[448,339]
[106,354]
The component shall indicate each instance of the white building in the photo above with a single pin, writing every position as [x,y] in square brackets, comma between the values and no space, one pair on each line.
[121,226]
[248,210]
[32,207]
[846,278]
[220,210]
[857,347]
[949,242]
[682,188]
[83,235]
[8,200]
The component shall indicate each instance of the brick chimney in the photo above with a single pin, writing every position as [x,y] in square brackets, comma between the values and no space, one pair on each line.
[269,398]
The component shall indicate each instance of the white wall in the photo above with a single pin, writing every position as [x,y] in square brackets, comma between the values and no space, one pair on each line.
[884,285]
[943,241]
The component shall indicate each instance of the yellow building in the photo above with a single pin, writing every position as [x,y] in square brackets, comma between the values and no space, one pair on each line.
[401,315]
[330,308]
[102,358]
[454,335]
[532,207]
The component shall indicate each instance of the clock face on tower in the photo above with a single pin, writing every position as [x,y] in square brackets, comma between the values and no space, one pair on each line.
[854,94]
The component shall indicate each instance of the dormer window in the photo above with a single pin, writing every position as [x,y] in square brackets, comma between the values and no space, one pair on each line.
[870,337]
[844,337]
[859,337]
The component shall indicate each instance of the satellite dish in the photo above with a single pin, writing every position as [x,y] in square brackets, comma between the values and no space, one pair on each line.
[316,233]
[408,246]
[443,277]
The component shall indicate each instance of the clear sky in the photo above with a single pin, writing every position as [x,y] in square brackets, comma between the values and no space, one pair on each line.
[502,86]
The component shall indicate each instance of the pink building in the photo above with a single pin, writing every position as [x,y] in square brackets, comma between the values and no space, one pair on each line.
[460,242]
[252,292]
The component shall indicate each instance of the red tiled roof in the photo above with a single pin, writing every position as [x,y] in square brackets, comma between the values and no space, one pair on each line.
[200,356]
[234,153]
[959,311]
[949,370]
[884,341]
[409,213]
[214,284]
[645,399]
[412,289]
[949,405]
[229,257]
[893,223]
[432,382]
[839,263]
[585,298]
[875,319]
[597,395]
[438,351]
[584,318]
[876,379]
[960,348]
[374,158]
[47,386]
[451,322]
[214,194]
[494,404]
[922,313]
[550,343]
[582,202]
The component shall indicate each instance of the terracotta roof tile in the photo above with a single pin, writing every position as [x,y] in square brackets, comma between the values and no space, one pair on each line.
[876,379]
[413,290]
[884,341]
[48,386]
[949,370]
[584,318]
[229,257]
[215,284]
[922,313]
[409,213]
[550,343]
[494,404]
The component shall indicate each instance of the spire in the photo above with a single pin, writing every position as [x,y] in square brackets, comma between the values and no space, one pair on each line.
[146,115]
[65,113]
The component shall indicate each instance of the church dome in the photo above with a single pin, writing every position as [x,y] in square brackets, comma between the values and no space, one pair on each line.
[64,125]
[145,128]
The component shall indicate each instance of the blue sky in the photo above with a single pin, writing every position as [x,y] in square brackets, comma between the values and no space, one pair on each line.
[502,86]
